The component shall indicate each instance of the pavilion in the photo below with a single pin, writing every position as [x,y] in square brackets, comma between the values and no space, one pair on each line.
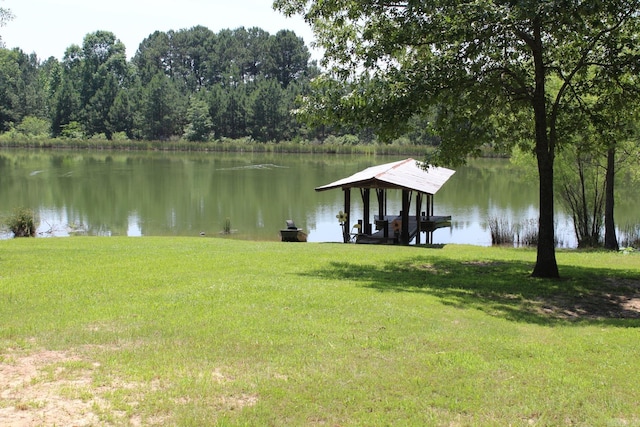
[409,176]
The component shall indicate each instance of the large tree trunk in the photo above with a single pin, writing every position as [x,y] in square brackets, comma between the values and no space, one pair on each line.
[546,265]
[610,239]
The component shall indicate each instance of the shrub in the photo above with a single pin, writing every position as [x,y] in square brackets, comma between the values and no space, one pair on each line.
[34,127]
[98,137]
[22,223]
[349,140]
[119,136]
[72,130]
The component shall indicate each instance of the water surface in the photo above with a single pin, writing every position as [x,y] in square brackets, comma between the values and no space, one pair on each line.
[193,194]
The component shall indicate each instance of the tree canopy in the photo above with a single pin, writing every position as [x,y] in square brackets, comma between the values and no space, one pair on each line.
[191,83]
[500,72]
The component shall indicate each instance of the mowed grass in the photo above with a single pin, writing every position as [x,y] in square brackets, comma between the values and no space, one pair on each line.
[210,331]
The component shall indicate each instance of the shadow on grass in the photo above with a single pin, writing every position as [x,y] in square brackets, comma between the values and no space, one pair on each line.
[505,289]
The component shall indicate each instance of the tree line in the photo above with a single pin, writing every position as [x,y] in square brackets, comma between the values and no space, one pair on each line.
[192,83]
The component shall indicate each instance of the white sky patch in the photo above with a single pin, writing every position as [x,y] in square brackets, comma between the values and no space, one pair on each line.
[49,27]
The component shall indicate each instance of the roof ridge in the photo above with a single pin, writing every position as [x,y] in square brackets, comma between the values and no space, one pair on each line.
[397,165]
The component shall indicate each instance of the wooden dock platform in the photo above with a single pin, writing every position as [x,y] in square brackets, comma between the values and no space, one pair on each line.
[388,229]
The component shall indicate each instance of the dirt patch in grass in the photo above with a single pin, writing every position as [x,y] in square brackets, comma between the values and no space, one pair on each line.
[56,388]
[33,391]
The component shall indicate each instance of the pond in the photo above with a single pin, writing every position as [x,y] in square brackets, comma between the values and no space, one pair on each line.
[194,194]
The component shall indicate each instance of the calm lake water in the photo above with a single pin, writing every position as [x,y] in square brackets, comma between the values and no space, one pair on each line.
[151,194]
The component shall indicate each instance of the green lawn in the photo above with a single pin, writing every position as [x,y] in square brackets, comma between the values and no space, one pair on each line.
[210,331]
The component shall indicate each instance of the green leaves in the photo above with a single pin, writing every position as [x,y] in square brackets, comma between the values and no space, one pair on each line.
[495,72]
[22,222]
[22,89]
[200,125]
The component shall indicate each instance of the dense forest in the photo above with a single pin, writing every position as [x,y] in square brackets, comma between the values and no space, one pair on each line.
[191,84]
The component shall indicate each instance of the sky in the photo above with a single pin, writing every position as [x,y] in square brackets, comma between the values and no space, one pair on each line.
[49,27]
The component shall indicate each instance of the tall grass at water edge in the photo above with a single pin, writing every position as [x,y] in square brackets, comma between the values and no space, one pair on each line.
[223,145]
[524,233]
[212,331]
[630,236]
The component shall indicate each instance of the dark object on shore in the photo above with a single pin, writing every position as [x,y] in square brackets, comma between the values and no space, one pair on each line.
[292,233]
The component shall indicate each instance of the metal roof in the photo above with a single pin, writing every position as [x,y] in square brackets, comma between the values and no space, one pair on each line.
[407,174]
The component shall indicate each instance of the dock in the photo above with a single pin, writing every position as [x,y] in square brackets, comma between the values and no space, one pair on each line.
[388,229]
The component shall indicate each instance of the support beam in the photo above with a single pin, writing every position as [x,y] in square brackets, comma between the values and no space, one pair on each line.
[382,202]
[347,211]
[432,203]
[366,201]
[418,216]
[382,211]
[406,205]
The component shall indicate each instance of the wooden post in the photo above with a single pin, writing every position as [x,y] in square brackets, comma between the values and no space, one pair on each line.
[382,208]
[404,232]
[382,212]
[431,212]
[366,201]
[418,217]
[347,211]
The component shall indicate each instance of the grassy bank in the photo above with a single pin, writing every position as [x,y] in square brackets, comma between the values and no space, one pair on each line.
[201,331]
[226,145]
[243,145]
